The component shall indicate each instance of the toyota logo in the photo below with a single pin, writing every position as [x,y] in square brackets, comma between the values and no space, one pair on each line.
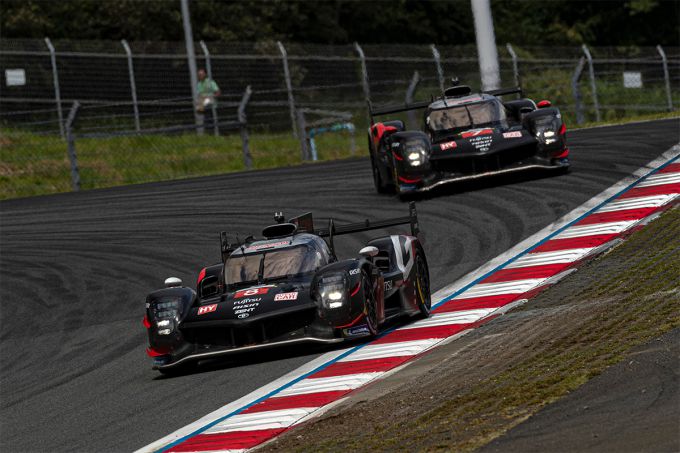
[243,315]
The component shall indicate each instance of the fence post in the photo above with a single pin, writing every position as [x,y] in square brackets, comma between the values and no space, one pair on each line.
[71,146]
[515,64]
[593,87]
[133,85]
[55,80]
[243,121]
[438,63]
[409,97]
[208,69]
[289,86]
[302,127]
[578,106]
[364,72]
[666,77]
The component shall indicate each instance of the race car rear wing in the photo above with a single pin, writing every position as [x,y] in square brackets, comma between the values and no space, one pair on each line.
[423,104]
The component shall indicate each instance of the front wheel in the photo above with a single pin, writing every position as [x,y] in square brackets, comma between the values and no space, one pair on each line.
[380,186]
[423,287]
[370,307]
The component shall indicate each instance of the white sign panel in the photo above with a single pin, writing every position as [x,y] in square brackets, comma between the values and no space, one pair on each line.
[632,80]
[15,77]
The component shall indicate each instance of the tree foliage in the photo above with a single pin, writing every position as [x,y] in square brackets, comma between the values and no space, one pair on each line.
[523,22]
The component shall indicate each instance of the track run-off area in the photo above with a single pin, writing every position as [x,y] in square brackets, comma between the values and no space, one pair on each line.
[76,267]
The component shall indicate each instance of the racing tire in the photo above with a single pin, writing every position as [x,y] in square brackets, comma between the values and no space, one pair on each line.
[422,284]
[371,305]
[380,187]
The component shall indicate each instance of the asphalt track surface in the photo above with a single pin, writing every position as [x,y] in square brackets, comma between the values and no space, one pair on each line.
[75,269]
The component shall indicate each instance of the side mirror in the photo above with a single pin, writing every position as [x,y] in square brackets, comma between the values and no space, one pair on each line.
[172,282]
[368,251]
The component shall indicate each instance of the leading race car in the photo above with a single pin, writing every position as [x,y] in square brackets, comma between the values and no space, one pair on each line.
[286,288]
[466,136]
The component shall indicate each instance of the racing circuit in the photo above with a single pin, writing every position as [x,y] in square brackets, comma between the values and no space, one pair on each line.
[77,266]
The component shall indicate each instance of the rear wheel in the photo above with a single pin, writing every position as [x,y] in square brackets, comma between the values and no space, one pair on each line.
[370,304]
[423,286]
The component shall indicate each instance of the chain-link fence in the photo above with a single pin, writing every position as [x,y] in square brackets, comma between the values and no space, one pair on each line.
[136,100]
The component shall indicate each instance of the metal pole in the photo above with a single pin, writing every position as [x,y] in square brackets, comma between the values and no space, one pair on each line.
[666,77]
[515,64]
[409,97]
[578,105]
[243,120]
[55,80]
[593,87]
[191,59]
[208,69]
[486,44]
[133,86]
[303,134]
[71,146]
[289,86]
[438,63]
[364,72]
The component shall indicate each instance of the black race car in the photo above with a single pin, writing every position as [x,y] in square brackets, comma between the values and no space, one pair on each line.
[466,136]
[288,288]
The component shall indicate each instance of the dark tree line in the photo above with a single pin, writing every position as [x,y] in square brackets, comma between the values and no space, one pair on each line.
[523,22]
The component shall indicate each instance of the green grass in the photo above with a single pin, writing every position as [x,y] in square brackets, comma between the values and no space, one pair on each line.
[33,164]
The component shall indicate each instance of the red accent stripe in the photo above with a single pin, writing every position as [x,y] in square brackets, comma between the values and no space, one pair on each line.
[521,273]
[153,352]
[397,156]
[575,243]
[226,441]
[360,366]
[146,322]
[288,402]
[355,290]
[361,315]
[672,168]
[563,129]
[421,333]
[617,216]
[662,189]
[201,276]
[476,302]
[409,181]
[563,154]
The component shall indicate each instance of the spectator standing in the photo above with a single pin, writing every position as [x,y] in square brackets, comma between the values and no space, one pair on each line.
[208,91]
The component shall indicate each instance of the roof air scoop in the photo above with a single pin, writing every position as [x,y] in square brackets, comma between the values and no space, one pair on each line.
[457,91]
[279,230]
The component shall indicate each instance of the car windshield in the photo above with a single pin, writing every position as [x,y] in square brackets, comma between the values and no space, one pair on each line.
[463,117]
[287,262]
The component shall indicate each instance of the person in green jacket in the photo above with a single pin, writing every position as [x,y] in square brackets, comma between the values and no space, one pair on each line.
[208,91]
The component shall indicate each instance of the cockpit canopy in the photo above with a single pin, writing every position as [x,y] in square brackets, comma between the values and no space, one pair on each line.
[457,116]
[299,258]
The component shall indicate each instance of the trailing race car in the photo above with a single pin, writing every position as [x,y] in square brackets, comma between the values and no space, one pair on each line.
[466,136]
[288,288]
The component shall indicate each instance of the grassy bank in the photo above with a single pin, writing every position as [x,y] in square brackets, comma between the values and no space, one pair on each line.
[492,380]
[32,164]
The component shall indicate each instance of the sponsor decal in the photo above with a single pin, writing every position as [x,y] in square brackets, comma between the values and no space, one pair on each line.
[357,330]
[482,143]
[251,292]
[243,315]
[354,271]
[247,300]
[388,285]
[266,246]
[286,296]
[160,361]
[448,145]
[207,309]
[515,134]
[476,133]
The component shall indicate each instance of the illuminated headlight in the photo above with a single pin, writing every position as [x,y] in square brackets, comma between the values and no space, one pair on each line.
[545,130]
[416,153]
[164,331]
[165,322]
[332,290]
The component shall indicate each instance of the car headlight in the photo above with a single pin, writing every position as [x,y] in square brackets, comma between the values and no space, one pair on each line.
[165,314]
[545,130]
[415,152]
[332,290]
